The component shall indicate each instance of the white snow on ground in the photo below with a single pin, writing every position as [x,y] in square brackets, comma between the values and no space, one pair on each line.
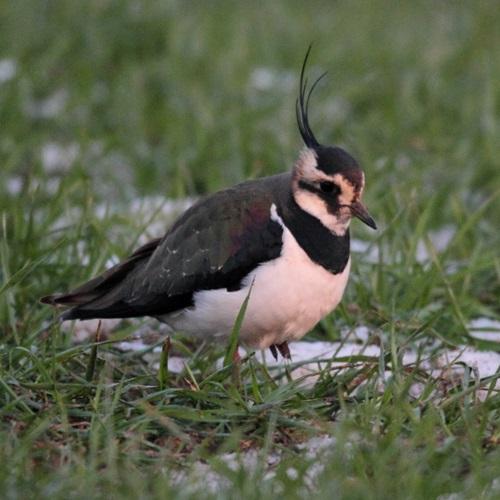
[483,363]
[370,252]
[84,331]
[204,473]
[359,334]
[14,185]
[8,70]
[58,157]
[439,239]
[157,213]
[485,329]
[165,209]
[449,366]
[265,79]
[316,356]
[309,358]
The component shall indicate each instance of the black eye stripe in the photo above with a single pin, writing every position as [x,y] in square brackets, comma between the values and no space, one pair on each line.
[308,187]
[325,187]
[329,187]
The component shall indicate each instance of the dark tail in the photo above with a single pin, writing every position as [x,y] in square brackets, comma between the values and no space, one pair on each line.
[99,297]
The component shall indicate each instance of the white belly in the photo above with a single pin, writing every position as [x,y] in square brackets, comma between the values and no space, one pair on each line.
[289,296]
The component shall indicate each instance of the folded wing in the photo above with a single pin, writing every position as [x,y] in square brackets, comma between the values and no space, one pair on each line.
[215,244]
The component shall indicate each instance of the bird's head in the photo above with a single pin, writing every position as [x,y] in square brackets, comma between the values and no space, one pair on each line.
[327,182]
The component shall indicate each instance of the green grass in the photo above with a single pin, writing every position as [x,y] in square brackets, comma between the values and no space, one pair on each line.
[156,98]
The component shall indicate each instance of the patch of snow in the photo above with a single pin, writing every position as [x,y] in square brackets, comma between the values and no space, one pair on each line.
[310,354]
[370,251]
[176,364]
[81,250]
[312,449]
[132,345]
[266,78]
[360,334]
[202,473]
[58,157]
[112,261]
[52,185]
[381,162]
[160,213]
[8,70]
[440,240]
[155,212]
[14,185]
[447,366]
[316,445]
[495,485]
[86,330]
[451,496]
[485,329]
[309,358]
[484,363]
[336,110]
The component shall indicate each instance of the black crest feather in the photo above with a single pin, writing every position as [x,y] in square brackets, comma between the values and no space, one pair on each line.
[302,106]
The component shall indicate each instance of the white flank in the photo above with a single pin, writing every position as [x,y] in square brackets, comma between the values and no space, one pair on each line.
[289,296]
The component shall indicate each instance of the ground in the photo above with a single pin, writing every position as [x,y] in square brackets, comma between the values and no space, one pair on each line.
[115,115]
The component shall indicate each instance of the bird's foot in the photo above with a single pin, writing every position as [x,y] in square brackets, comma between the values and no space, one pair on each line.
[274,351]
[283,349]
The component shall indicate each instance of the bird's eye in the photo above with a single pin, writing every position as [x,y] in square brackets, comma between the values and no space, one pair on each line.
[329,187]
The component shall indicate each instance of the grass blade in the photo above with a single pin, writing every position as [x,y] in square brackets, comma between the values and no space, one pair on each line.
[163,370]
[235,333]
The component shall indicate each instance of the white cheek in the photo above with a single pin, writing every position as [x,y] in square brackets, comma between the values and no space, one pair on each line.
[312,204]
[344,200]
[346,188]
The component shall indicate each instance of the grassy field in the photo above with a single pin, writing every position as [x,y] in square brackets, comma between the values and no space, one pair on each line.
[103,103]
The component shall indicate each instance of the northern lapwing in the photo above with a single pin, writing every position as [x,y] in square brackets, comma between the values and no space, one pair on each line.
[286,236]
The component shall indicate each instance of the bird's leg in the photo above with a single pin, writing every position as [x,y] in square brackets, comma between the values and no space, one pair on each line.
[274,352]
[236,374]
[284,350]
[236,357]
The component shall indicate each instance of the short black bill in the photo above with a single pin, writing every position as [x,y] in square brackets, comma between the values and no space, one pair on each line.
[360,211]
